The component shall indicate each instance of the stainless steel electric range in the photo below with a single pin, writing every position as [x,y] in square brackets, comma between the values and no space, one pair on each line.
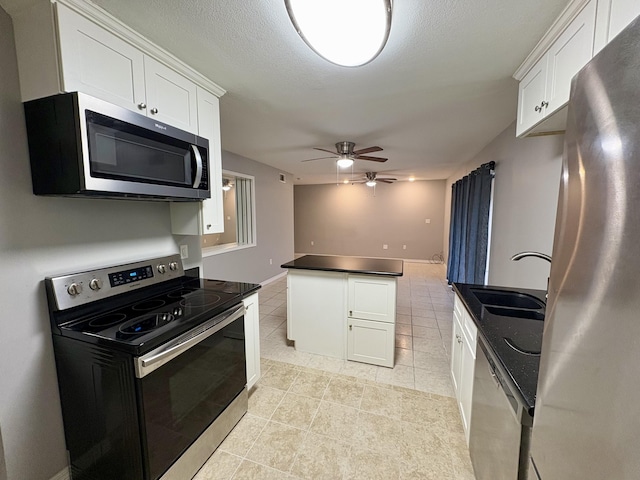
[151,368]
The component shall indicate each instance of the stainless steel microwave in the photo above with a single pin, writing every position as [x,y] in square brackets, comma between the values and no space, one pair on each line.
[82,146]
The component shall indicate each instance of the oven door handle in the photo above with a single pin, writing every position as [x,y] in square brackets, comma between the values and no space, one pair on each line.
[165,353]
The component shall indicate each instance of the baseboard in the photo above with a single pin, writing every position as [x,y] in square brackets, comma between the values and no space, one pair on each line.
[63,474]
[409,260]
[273,279]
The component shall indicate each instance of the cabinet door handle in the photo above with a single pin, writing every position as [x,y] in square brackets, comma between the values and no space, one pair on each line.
[542,106]
[208,226]
[142,106]
[350,327]
[351,313]
[154,110]
[458,338]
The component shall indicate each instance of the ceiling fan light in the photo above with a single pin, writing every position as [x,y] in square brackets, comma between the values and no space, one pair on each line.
[226,185]
[344,162]
[371,183]
[367,25]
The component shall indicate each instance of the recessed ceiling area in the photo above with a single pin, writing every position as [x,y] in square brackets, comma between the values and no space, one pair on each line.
[435,96]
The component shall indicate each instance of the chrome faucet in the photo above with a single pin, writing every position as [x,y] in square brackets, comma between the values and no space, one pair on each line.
[520,255]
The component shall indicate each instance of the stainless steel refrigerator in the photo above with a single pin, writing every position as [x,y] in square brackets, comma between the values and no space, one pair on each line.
[587,418]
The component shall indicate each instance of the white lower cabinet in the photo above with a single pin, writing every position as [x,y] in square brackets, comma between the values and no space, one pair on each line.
[342,315]
[252,338]
[371,342]
[463,359]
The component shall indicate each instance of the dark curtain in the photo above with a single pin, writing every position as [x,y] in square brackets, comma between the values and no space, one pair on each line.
[469,228]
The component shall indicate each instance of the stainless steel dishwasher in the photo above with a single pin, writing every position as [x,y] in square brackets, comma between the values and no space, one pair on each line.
[500,425]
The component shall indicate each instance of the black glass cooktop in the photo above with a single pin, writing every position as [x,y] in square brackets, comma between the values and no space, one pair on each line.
[155,319]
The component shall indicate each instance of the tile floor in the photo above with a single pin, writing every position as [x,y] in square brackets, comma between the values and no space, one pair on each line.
[313,417]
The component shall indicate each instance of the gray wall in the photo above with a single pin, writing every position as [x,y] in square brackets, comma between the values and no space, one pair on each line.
[350,220]
[42,236]
[525,200]
[274,226]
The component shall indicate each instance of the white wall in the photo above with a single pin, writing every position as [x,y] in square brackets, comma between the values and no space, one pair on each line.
[525,201]
[274,226]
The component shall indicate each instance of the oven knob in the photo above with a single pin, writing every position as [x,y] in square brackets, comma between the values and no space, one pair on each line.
[162,268]
[74,289]
[95,284]
[173,266]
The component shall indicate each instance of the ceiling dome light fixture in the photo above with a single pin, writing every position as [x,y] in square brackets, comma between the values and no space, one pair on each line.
[366,28]
[344,162]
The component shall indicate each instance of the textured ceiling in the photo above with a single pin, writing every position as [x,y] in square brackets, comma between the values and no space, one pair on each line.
[437,94]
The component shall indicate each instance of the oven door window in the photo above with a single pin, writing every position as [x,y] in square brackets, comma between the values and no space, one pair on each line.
[182,398]
[122,151]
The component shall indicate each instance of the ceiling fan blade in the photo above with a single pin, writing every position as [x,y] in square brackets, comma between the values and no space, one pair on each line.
[333,152]
[384,180]
[367,150]
[388,178]
[373,159]
[319,158]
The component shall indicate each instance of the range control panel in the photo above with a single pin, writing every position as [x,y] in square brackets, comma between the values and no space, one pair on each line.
[84,287]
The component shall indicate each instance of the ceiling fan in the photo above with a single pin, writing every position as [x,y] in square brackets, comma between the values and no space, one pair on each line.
[371,178]
[346,154]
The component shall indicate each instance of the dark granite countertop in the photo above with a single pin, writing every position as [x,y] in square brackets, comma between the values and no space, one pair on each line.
[521,369]
[242,288]
[368,266]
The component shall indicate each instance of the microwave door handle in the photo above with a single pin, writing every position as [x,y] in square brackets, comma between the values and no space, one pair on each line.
[198,177]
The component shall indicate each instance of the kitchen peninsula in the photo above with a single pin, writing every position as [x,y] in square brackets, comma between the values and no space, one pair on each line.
[343,307]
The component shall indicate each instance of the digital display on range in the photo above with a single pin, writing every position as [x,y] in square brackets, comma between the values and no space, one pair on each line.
[130,276]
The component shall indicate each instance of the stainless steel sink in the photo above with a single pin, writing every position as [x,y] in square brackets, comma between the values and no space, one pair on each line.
[507,299]
[518,313]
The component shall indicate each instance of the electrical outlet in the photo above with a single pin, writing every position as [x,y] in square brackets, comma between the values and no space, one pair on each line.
[427,220]
[312,243]
[404,247]
[271,261]
[385,246]
[184,251]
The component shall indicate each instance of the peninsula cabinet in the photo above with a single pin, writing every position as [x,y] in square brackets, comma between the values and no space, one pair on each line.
[343,307]
[371,332]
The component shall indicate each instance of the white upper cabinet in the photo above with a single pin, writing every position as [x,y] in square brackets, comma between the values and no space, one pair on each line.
[531,94]
[613,17]
[209,128]
[544,89]
[203,218]
[569,53]
[75,46]
[621,14]
[171,98]
[98,63]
